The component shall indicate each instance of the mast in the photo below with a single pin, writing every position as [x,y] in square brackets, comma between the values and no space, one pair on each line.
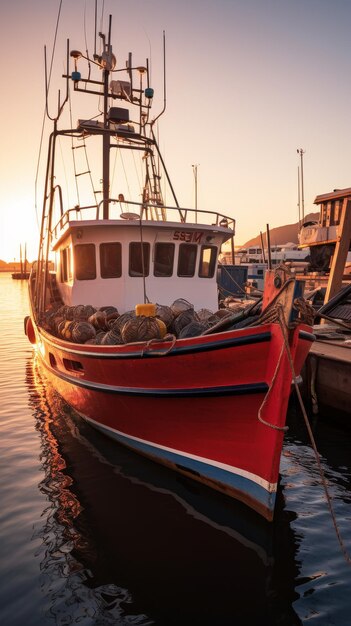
[107,63]
[105,153]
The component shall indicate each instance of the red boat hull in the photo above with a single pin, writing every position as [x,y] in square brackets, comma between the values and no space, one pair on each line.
[195,407]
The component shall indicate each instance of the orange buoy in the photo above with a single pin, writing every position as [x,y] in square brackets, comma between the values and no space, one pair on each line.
[148,309]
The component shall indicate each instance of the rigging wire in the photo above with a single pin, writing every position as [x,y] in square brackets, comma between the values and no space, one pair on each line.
[102,15]
[89,171]
[148,38]
[73,149]
[146,299]
[44,116]
[64,167]
[125,174]
[86,43]
[137,172]
[114,168]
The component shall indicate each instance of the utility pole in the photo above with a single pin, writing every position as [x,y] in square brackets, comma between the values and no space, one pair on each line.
[299,194]
[301,152]
[195,166]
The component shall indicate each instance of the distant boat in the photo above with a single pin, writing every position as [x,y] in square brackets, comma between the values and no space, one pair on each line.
[20,275]
[255,259]
[23,274]
[209,398]
[320,237]
[285,253]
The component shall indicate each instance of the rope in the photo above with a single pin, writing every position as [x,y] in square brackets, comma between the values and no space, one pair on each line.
[231,279]
[151,342]
[146,299]
[274,426]
[305,311]
[279,312]
[312,439]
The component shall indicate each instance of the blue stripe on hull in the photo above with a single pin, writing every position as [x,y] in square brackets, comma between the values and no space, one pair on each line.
[228,479]
[178,350]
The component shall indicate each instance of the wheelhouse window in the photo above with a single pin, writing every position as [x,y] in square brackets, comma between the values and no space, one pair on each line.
[164,258]
[66,265]
[323,214]
[330,214]
[337,211]
[207,261]
[85,262]
[139,259]
[187,259]
[111,260]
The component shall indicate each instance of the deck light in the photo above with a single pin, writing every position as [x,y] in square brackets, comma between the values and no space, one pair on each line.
[149,92]
[75,54]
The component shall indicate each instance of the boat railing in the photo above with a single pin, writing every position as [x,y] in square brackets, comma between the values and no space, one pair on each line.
[145,212]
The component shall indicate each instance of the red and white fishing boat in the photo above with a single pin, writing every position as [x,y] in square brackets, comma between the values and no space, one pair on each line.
[209,400]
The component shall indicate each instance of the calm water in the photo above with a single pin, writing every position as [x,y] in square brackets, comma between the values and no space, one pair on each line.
[92,534]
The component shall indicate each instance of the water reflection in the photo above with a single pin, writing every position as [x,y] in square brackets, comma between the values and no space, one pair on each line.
[334,446]
[126,542]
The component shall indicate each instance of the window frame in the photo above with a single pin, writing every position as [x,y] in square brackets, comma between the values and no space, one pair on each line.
[66,264]
[145,244]
[212,261]
[184,246]
[118,272]
[171,246]
[87,246]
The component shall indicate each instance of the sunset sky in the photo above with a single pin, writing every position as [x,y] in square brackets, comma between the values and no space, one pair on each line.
[248,83]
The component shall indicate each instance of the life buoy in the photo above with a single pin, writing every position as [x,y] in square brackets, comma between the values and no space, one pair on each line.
[29,329]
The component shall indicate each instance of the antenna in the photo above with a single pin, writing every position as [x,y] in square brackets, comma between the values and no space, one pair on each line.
[47,85]
[164,79]
[95,29]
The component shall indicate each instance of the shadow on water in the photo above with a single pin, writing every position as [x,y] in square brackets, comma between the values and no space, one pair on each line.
[123,541]
[332,440]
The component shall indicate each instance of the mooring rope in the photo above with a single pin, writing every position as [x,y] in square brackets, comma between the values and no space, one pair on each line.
[260,418]
[312,439]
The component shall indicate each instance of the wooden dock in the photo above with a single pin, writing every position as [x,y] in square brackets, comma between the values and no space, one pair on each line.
[327,371]
[327,375]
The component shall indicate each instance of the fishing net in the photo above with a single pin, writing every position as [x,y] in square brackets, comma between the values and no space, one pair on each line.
[111,338]
[194,329]
[141,328]
[165,314]
[180,305]
[183,319]
[108,310]
[82,331]
[121,320]
[204,314]
[99,320]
